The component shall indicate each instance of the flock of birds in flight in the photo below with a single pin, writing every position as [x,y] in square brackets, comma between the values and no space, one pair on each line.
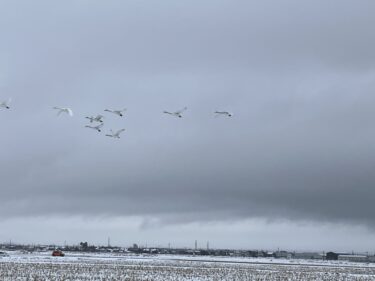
[98,119]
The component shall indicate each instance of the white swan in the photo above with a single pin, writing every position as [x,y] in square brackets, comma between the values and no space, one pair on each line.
[176,113]
[97,118]
[223,113]
[98,128]
[64,109]
[115,135]
[117,112]
[5,104]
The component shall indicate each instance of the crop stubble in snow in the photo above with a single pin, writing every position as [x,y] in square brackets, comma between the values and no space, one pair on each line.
[92,269]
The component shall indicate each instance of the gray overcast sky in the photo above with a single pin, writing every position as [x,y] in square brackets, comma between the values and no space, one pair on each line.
[293,168]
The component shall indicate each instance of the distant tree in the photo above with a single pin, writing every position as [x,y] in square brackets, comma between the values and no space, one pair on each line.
[84,245]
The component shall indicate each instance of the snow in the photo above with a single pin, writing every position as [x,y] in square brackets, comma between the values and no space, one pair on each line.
[89,267]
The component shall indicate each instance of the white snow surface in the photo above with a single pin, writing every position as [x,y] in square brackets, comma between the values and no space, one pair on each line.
[87,266]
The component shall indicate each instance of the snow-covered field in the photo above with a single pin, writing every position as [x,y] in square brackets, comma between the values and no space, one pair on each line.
[85,267]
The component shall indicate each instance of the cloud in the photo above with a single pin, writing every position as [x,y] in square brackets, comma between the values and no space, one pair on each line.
[298,76]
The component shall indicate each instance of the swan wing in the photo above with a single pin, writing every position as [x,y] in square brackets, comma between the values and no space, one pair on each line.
[120,131]
[182,110]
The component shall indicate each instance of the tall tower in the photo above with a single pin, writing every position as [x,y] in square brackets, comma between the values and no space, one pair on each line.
[196,244]
[109,241]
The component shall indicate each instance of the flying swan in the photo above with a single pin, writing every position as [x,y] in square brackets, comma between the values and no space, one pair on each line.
[64,110]
[115,135]
[98,128]
[223,113]
[176,113]
[97,118]
[117,112]
[5,104]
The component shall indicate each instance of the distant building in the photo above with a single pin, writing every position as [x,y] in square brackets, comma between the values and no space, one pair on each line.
[268,254]
[331,256]
[308,256]
[282,255]
[353,258]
